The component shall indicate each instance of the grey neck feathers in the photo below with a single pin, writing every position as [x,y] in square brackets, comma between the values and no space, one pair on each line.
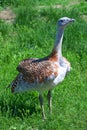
[58,42]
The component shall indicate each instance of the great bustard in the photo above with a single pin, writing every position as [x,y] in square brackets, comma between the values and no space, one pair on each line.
[44,74]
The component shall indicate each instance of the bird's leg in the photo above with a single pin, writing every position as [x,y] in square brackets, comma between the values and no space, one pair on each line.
[49,97]
[42,106]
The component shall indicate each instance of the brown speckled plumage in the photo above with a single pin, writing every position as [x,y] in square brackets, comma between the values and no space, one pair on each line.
[39,69]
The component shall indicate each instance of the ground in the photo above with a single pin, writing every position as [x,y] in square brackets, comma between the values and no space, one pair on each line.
[32,34]
[7,15]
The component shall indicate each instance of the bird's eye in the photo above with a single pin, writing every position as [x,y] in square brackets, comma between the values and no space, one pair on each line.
[61,21]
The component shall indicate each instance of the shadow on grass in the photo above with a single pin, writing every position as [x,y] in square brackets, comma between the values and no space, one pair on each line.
[19,105]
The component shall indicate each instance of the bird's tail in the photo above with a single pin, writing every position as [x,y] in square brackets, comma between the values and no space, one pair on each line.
[13,84]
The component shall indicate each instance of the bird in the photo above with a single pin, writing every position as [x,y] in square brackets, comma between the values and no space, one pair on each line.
[44,73]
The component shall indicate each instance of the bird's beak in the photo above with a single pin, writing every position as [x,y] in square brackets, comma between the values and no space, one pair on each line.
[72,20]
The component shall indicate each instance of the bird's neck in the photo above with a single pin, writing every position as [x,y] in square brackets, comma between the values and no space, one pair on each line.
[57,50]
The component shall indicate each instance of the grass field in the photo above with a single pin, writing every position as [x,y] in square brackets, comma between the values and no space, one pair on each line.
[32,34]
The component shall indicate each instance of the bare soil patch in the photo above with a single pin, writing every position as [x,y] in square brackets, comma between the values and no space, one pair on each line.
[7,15]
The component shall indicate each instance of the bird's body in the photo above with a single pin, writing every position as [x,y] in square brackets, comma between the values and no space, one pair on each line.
[44,74]
[40,74]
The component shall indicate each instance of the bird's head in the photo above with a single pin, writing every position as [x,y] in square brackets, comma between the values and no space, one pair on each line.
[62,22]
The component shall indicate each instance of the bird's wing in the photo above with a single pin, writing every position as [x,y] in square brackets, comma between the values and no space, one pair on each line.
[24,63]
[37,70]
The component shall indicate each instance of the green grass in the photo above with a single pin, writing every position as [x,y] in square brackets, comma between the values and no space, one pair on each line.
[33,35]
